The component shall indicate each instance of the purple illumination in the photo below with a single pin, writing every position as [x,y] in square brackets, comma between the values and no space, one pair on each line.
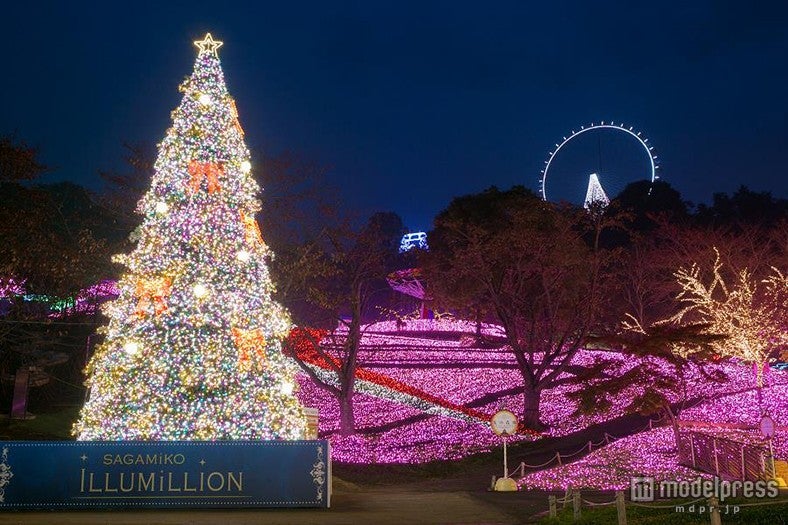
[11,286]
[89,299]
[609,468]
[486,379]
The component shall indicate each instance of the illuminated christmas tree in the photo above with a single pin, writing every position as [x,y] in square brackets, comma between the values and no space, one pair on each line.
[595,193]
[192,349]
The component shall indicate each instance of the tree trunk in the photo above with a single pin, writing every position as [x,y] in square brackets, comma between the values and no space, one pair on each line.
[674,423]
[347,421]
[479,339]
[531,400]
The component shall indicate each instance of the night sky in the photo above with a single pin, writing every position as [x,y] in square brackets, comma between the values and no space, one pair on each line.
[411,104]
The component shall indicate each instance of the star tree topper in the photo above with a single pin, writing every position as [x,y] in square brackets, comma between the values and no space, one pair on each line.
[208,44]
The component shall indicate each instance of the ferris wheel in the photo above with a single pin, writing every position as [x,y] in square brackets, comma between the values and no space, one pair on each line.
[597,181]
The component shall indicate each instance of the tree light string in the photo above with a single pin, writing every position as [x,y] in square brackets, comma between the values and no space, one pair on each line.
[205,333]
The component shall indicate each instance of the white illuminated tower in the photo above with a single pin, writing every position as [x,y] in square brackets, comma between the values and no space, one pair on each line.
[192,349]
[595,193]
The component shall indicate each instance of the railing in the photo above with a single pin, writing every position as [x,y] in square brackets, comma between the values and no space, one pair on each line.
[558,458]
[724,457]
[710,506]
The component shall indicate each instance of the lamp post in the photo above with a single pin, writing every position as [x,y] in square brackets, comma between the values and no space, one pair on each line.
[767,427]
[504,424]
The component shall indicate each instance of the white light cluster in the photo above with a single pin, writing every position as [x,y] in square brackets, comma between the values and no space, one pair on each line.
[194,286]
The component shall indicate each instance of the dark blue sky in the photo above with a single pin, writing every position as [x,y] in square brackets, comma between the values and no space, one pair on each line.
[412,103]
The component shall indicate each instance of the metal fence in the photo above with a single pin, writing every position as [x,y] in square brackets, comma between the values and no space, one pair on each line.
[724,457]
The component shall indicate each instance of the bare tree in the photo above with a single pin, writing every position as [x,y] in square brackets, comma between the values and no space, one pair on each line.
[538,270]
[328,271]
[52,244]
[338,278]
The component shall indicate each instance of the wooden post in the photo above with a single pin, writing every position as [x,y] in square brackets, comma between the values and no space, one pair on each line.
[771,460]
[692,449]
[621,508]
[312,419]
[565,501]
[558,457]
[576,505]
[551,504]
[762,457]
[21,384]
[714,505]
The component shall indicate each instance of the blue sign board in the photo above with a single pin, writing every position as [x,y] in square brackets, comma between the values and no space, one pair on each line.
[160,474]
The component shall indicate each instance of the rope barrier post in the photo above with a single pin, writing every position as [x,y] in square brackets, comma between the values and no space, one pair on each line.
[773,473]
[576,505]
[714,506]
[589,446]
[552,506]
[522,469]
[565,501]
[762,457]
[692,450]
[621,508]
[558,457]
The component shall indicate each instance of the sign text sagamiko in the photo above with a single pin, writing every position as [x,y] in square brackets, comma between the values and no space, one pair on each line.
[174,474]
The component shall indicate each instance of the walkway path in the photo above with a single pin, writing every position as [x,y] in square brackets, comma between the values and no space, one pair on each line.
[381,506]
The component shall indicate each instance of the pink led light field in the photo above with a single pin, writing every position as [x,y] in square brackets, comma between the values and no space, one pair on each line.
[434,356]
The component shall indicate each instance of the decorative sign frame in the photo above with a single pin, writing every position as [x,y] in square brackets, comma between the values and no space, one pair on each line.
[84,475]
[767,426]
[504,423]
